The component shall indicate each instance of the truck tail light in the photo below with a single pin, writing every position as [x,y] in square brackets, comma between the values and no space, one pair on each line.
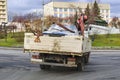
[35,56]
[71,59]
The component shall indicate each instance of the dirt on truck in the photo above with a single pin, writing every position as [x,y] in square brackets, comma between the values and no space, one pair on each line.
[59,46]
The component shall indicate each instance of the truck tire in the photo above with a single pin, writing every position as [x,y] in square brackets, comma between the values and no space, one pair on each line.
[80,65]
[47,66]
[87,58]
[43,67]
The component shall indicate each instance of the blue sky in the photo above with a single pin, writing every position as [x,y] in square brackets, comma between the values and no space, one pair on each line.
[21,6]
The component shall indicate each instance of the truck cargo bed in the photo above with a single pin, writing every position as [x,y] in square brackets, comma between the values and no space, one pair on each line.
[58,45]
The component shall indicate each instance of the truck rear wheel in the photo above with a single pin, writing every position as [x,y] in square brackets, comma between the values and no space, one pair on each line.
[47,66]
[80,65]
[86,58]
[43,67]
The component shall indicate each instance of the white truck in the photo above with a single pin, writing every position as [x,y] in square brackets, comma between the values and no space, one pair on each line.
[58,47]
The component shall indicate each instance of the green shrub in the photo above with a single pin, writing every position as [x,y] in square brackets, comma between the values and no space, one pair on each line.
[102,40]
[2,35]
[19,37]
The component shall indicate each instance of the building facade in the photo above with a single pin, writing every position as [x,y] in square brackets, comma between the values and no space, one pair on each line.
[67,9]
[3,11]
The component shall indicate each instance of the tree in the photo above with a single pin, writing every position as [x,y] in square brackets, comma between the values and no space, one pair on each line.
[75,18]
[94,14]
[96,11]
[37,23]
[30,21]
[115,22]
[12,27]
[119,25]
[19,19]
[87,11]
[49,20]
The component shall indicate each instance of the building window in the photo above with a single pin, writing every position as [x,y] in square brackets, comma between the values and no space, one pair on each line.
[55,9]
[66,15]
[71,15]
[60,9]
[2,2]
[3,6]
[107,16]
[65,9]
[107,11]
[55,15]
[71,10]
[61,15]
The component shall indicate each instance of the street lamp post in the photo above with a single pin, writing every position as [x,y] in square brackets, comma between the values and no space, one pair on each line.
[43,18]
[5,30]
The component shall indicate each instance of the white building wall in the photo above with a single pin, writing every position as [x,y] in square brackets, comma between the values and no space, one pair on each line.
[49,9]
[3,11]
[95,29]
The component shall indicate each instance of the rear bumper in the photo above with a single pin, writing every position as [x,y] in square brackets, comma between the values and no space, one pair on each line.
[53,64]
[53,52]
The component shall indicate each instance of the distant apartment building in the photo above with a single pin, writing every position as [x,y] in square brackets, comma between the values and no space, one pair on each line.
[67,9]
[3,11]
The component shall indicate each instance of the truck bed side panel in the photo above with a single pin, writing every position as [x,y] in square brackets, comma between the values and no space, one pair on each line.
[54,44]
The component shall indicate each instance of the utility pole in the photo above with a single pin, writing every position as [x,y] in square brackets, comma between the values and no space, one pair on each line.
[53,7]
[5,30]
[42,18]
[43,8]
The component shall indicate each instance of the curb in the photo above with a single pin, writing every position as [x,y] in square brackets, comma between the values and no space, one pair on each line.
[11,48]
[105,50]
[93,49]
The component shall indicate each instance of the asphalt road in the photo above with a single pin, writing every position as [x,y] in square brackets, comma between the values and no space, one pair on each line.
[15,65]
